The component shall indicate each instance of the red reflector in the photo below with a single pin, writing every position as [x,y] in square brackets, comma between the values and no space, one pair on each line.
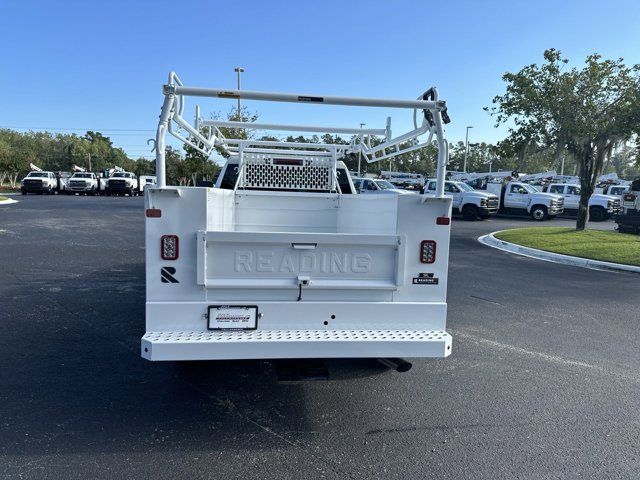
[153,213]
[443,221]
[169,247]
[428,251]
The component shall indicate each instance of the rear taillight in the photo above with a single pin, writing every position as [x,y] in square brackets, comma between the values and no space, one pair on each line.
[443,221]
[169,247]
[153,213]
[629,197]
[428,251]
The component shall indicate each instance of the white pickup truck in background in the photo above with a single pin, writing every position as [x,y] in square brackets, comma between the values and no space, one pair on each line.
[39,182]
[367,186]
[522,199]
[283,260]
[468,202]
[86,183]
[601,207]
[122,183]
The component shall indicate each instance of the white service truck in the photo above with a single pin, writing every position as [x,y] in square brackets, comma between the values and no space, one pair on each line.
[522,199]
[281,259]
[39,182]
[615,190]
[122,183]
[403,179]
[468,202]
[145,181]
[601,207]
[83,183]
[628,219]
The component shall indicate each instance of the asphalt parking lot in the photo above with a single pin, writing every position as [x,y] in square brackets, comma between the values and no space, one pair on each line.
[543,381]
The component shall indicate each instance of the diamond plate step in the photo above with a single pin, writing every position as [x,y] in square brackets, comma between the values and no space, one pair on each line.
[265,344]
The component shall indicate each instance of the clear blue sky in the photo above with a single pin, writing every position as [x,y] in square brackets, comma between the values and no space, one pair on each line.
[100,64]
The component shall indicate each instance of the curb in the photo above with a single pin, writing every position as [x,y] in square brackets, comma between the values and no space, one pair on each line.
[491,241]
[7,201]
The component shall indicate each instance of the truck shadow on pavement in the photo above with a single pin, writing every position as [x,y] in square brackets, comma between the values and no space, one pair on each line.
[73,380]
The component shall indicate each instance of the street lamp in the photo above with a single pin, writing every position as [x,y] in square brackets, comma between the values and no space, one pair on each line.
[360,151]
[466,150]
[238,70]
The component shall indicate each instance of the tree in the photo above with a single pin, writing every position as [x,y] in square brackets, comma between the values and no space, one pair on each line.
[624,162]
[586,111]
[58,152]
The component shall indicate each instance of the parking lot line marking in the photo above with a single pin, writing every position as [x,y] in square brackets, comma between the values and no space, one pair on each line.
[540,355]
[486,300]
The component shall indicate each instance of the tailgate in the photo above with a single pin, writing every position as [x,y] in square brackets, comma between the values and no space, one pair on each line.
[283,260]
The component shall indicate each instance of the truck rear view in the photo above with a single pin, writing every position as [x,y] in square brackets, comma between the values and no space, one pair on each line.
[284,259]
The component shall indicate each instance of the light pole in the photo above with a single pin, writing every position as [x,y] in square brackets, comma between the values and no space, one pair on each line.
[466,150]
[239,70]
[360,151]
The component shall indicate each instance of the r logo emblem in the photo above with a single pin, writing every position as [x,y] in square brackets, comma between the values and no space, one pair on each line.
[167,275]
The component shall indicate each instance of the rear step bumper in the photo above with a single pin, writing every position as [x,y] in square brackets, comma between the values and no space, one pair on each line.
[273,344]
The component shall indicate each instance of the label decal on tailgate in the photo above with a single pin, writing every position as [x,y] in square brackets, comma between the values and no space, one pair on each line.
[425,279]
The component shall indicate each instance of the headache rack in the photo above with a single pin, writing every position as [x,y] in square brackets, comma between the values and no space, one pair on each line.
[277,165]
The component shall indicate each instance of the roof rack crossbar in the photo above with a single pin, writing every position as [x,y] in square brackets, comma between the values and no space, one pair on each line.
[303,98]
[273,143]
[293,128]
[282,151]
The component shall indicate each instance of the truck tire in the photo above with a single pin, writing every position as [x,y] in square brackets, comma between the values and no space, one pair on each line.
[469,212]
[597,214]
[539,213]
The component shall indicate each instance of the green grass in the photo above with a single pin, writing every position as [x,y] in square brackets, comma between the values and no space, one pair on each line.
[593,244]
[3,198]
